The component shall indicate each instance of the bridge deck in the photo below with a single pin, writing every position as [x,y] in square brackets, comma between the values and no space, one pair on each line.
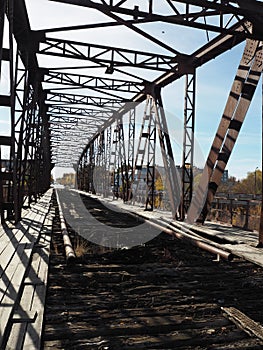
[239,242]
[146,310]
[24,266]
[164,294]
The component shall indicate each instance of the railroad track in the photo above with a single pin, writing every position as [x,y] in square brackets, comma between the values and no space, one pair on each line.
[164,295]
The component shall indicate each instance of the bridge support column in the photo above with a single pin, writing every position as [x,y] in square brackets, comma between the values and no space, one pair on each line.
[2,181]
[260,236]
[154,127]
[107,176]
[131,141]
[27,168]
[188,144]
[120,168]
[143,176]
[173,179]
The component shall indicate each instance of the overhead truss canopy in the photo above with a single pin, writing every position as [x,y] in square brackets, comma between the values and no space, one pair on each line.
[88,64]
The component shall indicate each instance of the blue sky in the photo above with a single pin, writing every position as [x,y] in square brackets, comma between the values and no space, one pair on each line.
[214,81]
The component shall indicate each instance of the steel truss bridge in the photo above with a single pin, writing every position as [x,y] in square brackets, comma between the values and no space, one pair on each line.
[76,102]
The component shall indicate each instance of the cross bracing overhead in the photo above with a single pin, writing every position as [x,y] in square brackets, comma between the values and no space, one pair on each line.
[85,65]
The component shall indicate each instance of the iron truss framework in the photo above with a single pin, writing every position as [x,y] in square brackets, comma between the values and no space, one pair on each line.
[75,102]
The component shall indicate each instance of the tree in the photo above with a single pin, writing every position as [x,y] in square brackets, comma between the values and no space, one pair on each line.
[159,184]
[67,180]
[252,184]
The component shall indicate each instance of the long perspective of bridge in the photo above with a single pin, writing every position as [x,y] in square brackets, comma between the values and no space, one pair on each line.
[136,249]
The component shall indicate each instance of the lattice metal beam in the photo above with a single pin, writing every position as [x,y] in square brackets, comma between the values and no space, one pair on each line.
[209,15]
[188,143]
[103,85]
[105,56]
[58,99]
[242,91]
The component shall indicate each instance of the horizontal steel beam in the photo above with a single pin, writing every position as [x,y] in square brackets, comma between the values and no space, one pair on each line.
[85,81]
[106,56]
[56,99]
[79,111]
[195,13]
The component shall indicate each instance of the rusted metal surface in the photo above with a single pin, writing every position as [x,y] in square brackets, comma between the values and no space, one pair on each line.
[48,132]
[69,252]
[163,295]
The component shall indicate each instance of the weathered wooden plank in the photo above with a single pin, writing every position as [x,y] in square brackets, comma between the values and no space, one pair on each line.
[30,310]
[17,237]
[22,316]
[15,258]
[244,322]
[12,278]
[34,331]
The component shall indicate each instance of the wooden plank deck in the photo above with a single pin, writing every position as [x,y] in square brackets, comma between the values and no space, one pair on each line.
[161,295]
[23,269]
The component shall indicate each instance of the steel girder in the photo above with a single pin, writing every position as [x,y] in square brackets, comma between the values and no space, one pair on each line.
[131,145]
[58,99]
[211,50]
[143,190]
[230,19]
[2,19]
[200,14]
[110,57]
[95,83]
[241,94]
[30,151]
[188,143]
[154,128]
[26,173]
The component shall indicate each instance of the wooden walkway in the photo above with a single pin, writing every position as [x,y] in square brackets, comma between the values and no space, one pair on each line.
[24,261]
[24,255]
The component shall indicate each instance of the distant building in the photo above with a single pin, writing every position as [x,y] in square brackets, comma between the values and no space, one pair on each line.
[225,176]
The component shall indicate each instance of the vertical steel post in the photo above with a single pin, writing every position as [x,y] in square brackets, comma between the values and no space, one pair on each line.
[120,170]
[45,144]
[84,173]
[123,163]
[1,190]
[107,174]
[33,180]
[131,139]
[79,173]
[173,181]
[2,19]
[146,144]
[260,234]
[116,170]
[188,144]
[150,174]
[91,167]
[13,185]
[22,132]
[100,162]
